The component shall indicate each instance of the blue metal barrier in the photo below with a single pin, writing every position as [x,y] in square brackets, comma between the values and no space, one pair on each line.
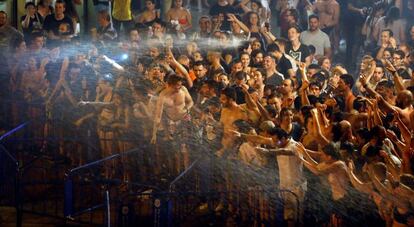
[69,210]
[7,134]
[182,174]
[17,173]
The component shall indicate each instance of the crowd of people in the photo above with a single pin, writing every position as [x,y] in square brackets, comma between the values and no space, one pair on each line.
[290,111]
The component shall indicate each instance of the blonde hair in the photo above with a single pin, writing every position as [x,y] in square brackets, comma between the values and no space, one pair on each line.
[338,70]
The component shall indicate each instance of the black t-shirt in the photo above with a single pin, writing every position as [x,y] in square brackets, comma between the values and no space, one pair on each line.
[355,17]
[224,10]
[35,25]
[240,98]
[283,65]
[274,79]
[59,27]
[296,132]
[197,83]
[300,54]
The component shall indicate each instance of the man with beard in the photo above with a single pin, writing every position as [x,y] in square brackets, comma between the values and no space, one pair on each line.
[317,38]
[7,33]
[273,77]
[288,93]
[200,72]
[230,112]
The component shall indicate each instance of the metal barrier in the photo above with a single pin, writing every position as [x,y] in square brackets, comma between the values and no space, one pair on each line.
[72,175]
[190,194]
[15,171]
[186,208]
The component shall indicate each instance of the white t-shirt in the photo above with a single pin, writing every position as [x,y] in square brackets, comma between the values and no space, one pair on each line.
[290,167]
[318,39]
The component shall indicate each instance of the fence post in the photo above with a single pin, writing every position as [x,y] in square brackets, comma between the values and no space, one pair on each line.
[158,212]
[18,194]
[108,209]
[68,209]
[170,215]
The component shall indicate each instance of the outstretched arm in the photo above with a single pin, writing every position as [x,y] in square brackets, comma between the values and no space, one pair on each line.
[322,139]
[251,105]
[255,138]
[366,188]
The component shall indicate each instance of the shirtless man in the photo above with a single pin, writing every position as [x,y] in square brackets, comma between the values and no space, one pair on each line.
[174,102]
[403,102]
[230,112]
[345,87]
[328,11]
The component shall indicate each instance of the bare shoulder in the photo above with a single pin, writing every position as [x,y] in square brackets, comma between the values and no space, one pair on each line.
[183,88]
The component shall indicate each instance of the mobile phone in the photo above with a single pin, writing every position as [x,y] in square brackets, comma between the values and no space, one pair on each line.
[267,26]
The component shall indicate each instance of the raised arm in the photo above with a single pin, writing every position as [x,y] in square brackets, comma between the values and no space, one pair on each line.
[243,5]
[180,68]
[251,105]
[394,139]
[26,21]
[263,112]
[405,132]
[233,18]
[322,139]
[305,84]
[63,70]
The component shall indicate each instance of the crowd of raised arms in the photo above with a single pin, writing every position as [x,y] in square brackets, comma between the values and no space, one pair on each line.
[293,109]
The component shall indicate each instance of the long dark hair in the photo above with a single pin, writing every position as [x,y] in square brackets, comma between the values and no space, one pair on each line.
[247,19]
[377,7]
[393,14]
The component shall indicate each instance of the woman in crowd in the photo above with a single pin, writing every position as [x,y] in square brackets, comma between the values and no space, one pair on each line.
[367,30]
[178,14]
[150,14]
[393,22]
